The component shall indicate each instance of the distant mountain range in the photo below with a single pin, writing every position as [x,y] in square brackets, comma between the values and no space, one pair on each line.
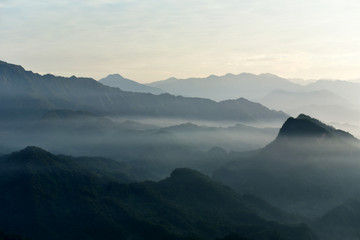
[25,94]
[329,100]
[116,80]
[264,87]
[333,101]
[45,196]
[229,86]
[346,89]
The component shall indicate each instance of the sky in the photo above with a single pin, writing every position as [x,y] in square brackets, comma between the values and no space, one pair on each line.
[149,40]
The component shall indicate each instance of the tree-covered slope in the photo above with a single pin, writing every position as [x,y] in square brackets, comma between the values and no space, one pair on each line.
[59,197]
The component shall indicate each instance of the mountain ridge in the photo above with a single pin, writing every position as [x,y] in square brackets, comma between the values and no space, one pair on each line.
[116,80]
[24,93]
[229,86]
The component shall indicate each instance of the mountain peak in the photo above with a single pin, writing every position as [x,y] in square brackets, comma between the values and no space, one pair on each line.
[186,173]
[302,126]
[306,126]
[115,75]
[116,80]
[13,67]
[307,117]
[33,150]
[32,154]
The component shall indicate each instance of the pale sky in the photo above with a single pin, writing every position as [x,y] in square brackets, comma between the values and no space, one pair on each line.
[148,40]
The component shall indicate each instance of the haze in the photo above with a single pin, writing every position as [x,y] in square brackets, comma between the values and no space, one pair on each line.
[153,40]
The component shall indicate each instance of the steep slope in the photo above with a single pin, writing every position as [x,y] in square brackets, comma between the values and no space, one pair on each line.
[53,197]
[116,80]
[24,94]
[307,169]
[229,86]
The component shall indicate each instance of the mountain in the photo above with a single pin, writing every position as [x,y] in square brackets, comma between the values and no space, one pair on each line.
[322,99]
[229,86]
[117,81]
[55,197]
[346,89]
[36,160]
[43,192]
[24,94]
[308,169]
[306,126]
[166,81]
[329,100]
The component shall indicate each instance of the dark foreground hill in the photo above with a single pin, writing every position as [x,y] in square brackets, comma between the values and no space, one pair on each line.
[308,169]
[26,94]
[57,197]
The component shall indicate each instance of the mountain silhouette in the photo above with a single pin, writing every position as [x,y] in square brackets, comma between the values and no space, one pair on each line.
[346,89]
[306,126]
[332,101]
[118,81]
[301,127]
